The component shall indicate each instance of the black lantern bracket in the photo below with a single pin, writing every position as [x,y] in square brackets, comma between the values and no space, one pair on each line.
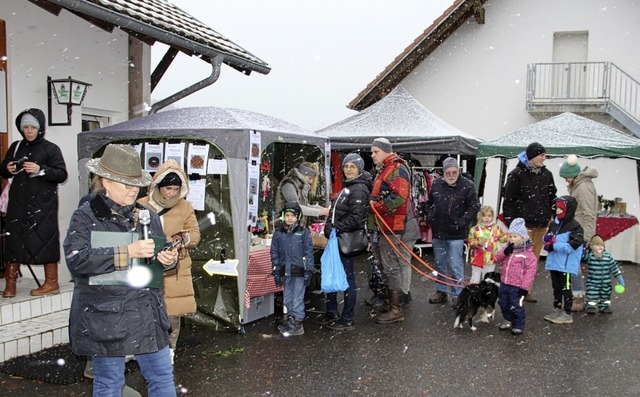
[67,92]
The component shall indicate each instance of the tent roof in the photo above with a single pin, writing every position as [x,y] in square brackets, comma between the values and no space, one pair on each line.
[403,120]
[206,123]
[562,135]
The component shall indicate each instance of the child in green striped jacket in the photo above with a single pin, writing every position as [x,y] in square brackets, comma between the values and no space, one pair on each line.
[601,266]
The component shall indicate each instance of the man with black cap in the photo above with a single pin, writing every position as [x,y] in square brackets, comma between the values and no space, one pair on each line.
[389,204]
[530,193]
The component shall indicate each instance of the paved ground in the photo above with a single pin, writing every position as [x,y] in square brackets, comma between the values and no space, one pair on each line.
[424,356]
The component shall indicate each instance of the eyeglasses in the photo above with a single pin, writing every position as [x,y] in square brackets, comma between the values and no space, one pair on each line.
[349,167]
[129,187]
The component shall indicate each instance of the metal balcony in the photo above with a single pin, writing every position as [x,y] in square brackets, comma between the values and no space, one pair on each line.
[584,87]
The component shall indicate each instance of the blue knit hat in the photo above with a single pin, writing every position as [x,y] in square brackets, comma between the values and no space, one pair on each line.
[518,227]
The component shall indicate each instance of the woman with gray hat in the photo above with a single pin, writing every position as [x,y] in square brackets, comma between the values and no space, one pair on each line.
[298,186]
[112,319]
[349,213]
[32,234]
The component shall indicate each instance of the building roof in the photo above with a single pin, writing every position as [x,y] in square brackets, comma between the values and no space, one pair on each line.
[418,50]
[160,21]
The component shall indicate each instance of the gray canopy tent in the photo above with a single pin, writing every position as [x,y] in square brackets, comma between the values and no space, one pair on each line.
[561,135]
[408,125]
[231,135]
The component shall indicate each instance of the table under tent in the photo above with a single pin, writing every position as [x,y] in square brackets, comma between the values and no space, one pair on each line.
[613,153]
[234,159]
[417,134]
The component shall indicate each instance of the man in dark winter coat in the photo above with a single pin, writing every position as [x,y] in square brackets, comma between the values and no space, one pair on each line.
[452,206]
[529,193]
[37,167]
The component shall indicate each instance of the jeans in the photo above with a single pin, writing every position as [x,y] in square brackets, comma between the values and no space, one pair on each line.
[350,294]
[293,296]
[577,283]
[448,255]
[155,367]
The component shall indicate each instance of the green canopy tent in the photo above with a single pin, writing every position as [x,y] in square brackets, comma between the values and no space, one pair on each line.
[561,135]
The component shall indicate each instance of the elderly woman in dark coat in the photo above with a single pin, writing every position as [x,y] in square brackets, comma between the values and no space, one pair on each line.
[32,235]
[109,319]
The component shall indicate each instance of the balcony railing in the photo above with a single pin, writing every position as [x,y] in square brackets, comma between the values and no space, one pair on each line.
[588,87]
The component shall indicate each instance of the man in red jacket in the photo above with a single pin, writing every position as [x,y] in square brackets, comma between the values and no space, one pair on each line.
[389,204]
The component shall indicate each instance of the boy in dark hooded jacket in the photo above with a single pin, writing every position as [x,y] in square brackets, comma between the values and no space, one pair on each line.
[292,259]
[564,244]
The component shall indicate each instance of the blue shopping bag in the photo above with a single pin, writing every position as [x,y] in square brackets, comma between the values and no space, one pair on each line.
[332,275]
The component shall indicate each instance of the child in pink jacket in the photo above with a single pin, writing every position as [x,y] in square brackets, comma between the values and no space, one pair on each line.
[519,265]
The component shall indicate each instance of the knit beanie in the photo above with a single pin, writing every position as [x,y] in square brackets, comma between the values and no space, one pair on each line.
[382,144]
[449,162]
[171,179]
[570,168]
[29,119]
[356,160]
[518,227]
[307,171]
[596,240]
[534,149]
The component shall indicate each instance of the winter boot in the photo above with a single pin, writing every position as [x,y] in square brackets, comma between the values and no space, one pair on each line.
[552,316]
[10,276]
[374,301]
[578,304]
[50,285]
[563,318]
[296,328]
[396,312]
[439,297]
[592,307]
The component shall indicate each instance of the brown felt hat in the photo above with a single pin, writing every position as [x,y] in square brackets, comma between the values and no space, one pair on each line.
[120,163]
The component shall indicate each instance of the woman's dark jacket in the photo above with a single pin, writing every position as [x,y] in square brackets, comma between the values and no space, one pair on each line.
[108,320]
[32,234]
[351,207]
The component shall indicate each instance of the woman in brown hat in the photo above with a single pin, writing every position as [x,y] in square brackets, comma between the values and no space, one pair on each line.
[123,315]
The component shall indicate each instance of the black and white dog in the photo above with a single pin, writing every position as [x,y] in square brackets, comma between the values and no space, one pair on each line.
[478,297]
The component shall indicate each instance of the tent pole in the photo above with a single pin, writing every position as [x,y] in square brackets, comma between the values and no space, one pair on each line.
[503,173]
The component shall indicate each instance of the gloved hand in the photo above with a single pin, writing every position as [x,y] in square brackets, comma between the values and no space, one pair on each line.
[621,280]
[549,238]
[508,249]
[307,278]
[522,292]
[548,247]
[277,277]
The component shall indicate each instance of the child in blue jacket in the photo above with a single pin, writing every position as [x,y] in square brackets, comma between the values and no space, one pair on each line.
[564,244]
[292,260]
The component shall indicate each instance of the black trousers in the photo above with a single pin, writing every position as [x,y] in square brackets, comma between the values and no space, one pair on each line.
[561,284]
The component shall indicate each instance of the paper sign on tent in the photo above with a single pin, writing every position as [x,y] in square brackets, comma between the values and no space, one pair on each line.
[227,268]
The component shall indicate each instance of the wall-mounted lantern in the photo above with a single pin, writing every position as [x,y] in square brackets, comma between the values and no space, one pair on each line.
[68,92]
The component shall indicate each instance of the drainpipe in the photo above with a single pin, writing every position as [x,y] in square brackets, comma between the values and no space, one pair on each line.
[216,66]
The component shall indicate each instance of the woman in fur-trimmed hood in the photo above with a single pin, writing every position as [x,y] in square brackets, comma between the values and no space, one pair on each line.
[166,197]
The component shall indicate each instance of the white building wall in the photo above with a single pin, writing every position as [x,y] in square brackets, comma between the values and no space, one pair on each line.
[41,44]
[476,80]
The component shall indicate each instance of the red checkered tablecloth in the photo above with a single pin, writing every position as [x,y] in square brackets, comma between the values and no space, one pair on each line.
[259,279]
